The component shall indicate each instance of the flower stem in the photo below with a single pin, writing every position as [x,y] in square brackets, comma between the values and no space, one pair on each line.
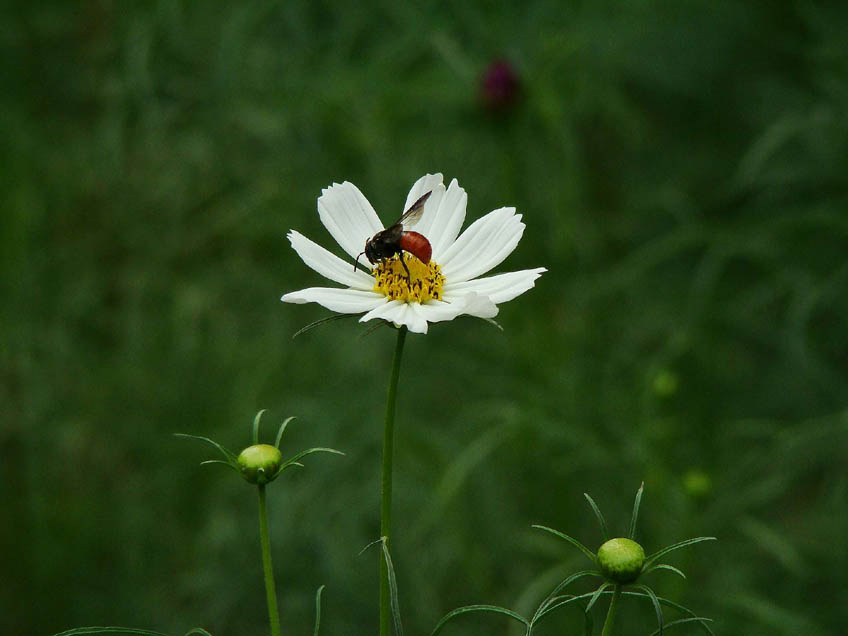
[616,593]
[386,487]
[270,588]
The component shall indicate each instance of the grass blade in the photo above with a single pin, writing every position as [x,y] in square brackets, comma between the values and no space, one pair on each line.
[598,514]
[571,540]
[478,608]
[650,560]
[393,592]
[636,503]
[317,610]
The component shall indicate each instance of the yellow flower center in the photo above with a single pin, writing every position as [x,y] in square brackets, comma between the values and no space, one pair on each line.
[425,281]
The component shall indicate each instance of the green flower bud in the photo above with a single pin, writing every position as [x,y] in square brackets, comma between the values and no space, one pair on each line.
[697,483]
[259,463]
[621,560]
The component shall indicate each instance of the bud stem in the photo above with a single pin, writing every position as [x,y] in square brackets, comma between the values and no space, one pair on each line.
[386,487]
[616,592]
[270,588]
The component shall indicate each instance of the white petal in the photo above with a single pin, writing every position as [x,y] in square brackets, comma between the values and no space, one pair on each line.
[483,245]
[446,220]
[327,264]
[500,288]
[439,311]
[427,183]
[399,313]
[348,216]
[344,301]
[472,304]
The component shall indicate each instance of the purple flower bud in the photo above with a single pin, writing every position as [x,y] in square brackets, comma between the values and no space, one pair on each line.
[499,85]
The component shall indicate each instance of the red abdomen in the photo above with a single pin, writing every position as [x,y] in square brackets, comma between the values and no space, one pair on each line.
[417,245]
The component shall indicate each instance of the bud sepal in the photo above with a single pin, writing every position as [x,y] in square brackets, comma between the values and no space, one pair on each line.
[259,464]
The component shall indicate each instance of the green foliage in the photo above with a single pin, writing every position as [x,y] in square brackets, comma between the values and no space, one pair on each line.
[681,170]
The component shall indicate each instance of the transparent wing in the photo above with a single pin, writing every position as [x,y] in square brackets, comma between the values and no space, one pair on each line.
[413,214]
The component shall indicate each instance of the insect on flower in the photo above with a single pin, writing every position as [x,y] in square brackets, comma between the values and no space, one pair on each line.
[395,239]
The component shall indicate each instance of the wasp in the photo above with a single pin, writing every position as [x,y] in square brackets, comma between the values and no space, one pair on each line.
[395,240]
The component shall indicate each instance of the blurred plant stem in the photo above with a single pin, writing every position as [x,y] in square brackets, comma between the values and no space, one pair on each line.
[270,588]
[616,593]
[386,487]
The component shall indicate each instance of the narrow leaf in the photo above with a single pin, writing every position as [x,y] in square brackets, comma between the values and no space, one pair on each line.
[282,430]
[478,608]
[673,605]
[681,621]
[650,560]
[596,595]
[636,503]
[309,451]
[109,630]
[321,321]
[197,630]
[656,604]
[317,610]
[256,421]
[393,592]
[664,566]
[566,599]
[376,324]
[598,514]
[228,454]
[219,461]
[562,586]
[572,541]
[588,624]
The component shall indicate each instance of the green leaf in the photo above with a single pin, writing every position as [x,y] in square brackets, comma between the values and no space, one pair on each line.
[563,585]
[636,503]
[673,605]
[109,630]
[571,540]
[296,459]
[596,595]
[393,591]
[479,608]
[228,454]
[588,624]
[650,560]
[656,604]
[317,610]
[320,322]
[282,430]
[565,599]
[197,630]
[219,461]
[682,621]
[598,514]
[256,421]
[664,566]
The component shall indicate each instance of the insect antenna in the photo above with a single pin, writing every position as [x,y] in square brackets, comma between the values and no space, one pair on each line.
[356,262]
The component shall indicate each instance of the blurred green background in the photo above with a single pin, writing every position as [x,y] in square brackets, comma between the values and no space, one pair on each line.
[681,167]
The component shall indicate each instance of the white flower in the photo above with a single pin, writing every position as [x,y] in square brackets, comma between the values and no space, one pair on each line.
[444,288]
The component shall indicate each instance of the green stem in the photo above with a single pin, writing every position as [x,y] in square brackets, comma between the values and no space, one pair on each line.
[270,588]
[616,593]
[386,487]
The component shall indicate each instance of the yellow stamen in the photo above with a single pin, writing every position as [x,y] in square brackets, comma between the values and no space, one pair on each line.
[426,281]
